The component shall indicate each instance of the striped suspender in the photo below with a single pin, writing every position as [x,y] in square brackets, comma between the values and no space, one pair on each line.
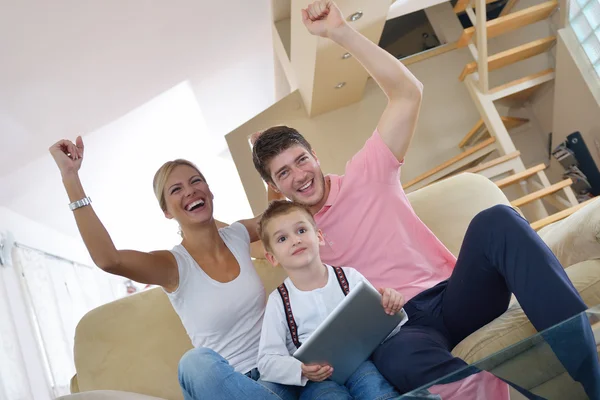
[341,277]
[287,307]
[291,322]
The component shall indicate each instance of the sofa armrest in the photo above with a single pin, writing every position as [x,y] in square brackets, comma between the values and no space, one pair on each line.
[577,237]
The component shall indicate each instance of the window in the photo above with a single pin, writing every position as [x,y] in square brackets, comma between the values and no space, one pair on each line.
[584,16]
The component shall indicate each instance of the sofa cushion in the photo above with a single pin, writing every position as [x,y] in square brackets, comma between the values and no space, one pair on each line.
[447,207]
[133,344]
[577,237]
[513,326]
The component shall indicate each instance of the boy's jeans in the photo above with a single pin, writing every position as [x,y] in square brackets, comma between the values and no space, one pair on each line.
[366,383]
[204,374]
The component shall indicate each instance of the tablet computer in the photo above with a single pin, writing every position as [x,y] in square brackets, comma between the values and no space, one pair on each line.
[350,333]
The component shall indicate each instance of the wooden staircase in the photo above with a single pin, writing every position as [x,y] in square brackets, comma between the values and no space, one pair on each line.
[476,145]
[461,6]
[518,177]
[511,22]
[511,56]
[490,133]
[537,225]
[514,93]
[466,159]
[479,130]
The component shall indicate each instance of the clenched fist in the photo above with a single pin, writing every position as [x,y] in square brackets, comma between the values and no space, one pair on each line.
[322,17]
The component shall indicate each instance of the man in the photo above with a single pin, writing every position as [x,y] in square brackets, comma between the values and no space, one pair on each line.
[368,222]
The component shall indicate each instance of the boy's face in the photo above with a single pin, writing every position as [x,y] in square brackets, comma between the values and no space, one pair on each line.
[293,240]
[296,173]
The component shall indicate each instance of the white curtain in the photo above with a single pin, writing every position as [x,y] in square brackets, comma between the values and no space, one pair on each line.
[56,293]
[13,377]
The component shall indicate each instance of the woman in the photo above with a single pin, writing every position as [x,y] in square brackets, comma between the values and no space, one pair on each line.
[209,278]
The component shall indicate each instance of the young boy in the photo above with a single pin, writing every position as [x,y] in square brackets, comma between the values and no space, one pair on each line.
[312,290]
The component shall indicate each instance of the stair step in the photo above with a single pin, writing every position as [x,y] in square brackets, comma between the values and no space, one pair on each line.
[461,5]
[450,162]
[522,85]
[541,193]
[514,122]
[509,123]
[512,21]
[494,162]
[511,56]
[501,183]
[537,225]
[471,133]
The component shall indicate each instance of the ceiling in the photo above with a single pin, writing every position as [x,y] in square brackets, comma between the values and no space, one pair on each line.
[73,66]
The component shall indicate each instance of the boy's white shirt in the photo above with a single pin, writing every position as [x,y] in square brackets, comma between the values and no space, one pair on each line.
[310,308]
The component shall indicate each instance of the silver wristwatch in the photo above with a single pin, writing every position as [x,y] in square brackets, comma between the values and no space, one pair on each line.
[86,201]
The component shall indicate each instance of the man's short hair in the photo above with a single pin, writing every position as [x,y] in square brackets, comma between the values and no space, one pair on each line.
[273,142]
[276,209]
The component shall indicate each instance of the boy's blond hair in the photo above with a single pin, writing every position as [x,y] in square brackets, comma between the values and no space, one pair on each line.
[275,209]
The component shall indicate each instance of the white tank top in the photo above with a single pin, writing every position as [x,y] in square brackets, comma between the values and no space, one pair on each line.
[224,317]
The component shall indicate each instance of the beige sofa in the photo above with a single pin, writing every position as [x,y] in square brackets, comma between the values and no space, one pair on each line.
[134,344]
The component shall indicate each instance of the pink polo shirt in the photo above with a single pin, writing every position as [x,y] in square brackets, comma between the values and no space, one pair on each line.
[369,225]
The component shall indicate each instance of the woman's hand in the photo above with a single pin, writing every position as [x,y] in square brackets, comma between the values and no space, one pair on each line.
[316,372]
[391,300]
[68,155]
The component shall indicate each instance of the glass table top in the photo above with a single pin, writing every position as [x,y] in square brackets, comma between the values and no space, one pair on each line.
[530,369]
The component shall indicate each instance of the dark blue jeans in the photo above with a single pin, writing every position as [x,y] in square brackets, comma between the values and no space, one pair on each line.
[500,255]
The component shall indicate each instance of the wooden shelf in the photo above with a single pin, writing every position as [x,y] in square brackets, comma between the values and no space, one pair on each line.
[512,21]
[451,161]
[494,162]
[528,173]
[512,56]
[541,193]
[537,225]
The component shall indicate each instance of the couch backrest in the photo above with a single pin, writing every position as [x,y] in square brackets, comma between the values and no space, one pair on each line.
[134,344]
[447,207]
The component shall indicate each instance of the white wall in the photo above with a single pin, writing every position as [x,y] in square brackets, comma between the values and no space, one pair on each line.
[577,108]
[119,164]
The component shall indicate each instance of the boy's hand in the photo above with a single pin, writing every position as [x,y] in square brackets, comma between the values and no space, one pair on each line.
[391,300]
[316,372]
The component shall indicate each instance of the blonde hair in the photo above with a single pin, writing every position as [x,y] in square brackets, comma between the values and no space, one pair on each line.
[161,176]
